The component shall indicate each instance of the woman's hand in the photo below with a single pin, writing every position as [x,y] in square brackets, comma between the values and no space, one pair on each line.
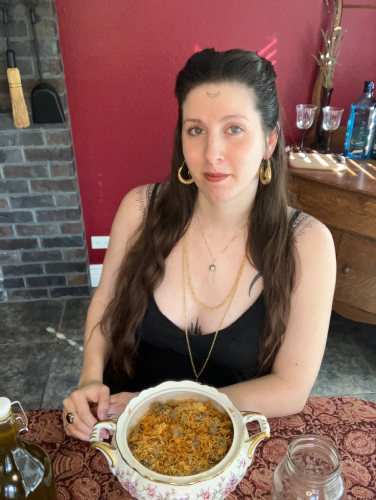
[80,402]
[118,402]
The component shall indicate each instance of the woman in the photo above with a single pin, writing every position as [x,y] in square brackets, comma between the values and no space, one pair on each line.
[211,276]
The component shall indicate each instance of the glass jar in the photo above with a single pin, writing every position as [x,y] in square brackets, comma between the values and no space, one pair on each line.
[25,469]
[311,470]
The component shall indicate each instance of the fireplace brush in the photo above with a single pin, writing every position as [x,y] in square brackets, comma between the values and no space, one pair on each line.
[20,113]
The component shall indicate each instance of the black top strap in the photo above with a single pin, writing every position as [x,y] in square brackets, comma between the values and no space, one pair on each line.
[153,196]
[294,216]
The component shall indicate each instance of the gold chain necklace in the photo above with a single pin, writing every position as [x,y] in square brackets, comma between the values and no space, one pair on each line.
[233,291]
[212,267]
[208,308]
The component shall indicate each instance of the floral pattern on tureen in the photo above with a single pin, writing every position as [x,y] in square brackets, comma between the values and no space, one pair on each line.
[225,485]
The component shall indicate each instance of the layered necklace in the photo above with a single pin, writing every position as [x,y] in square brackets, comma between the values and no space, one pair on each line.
[212,267]
[228,299]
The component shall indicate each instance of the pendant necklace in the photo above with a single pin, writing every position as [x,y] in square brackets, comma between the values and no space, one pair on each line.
[231,297]
[213,267]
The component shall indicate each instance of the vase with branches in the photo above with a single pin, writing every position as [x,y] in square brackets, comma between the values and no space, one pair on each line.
[327,61]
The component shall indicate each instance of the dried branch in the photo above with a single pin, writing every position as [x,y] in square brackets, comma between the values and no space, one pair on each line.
[329,57]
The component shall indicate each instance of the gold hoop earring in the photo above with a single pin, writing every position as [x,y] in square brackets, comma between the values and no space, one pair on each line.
[181,178]
[265,175]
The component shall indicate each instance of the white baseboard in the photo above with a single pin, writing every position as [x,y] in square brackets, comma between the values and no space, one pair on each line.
[95,274]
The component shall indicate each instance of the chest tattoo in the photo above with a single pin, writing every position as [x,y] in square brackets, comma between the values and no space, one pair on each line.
[195,329]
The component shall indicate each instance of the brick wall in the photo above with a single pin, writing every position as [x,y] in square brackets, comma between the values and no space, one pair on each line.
[43,252]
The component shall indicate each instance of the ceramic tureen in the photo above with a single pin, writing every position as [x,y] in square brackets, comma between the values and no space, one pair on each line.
[215,483]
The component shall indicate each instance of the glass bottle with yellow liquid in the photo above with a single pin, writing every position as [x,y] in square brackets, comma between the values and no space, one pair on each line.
[25,469]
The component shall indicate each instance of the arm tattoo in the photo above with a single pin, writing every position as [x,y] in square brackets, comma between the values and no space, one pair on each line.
[140,199]
[149,190]
[143,197]
[302,223]
[195,329]
[258,275]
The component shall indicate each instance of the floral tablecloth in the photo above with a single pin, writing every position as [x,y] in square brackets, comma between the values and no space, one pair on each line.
[83,474]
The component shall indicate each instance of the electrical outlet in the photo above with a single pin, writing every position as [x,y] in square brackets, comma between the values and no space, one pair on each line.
[99,241]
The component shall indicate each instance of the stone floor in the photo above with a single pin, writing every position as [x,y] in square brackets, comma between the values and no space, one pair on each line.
[41,354]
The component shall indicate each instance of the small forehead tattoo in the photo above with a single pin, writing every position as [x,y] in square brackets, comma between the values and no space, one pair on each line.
[213,95]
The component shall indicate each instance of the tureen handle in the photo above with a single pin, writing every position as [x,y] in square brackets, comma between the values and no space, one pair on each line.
[253,441]
[108,451]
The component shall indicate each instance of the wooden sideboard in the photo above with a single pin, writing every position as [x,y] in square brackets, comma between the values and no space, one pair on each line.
[346,203]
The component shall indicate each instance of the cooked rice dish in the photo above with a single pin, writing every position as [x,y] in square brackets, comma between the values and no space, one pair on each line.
[180,438]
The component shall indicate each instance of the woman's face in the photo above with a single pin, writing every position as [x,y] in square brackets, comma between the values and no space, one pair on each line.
[223,141]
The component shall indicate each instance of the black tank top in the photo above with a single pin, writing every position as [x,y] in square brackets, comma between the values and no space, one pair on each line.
[163,354]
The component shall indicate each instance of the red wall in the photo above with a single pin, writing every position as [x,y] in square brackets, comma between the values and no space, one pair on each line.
[358,56]
[121,58]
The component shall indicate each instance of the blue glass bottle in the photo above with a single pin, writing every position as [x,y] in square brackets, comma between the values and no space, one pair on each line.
[360,127]
[373,150]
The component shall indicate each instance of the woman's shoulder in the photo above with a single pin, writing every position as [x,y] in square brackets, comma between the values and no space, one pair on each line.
[135,203]
[305,226]
[312,238]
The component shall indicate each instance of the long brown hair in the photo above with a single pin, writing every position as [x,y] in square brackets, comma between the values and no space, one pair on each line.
[270,239]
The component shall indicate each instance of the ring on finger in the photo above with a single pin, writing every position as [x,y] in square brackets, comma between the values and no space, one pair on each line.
[69,417]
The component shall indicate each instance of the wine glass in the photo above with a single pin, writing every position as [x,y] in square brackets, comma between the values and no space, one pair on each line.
[330,121]
[305,113]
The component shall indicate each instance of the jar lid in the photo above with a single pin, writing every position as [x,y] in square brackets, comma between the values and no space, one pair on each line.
[5,408]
